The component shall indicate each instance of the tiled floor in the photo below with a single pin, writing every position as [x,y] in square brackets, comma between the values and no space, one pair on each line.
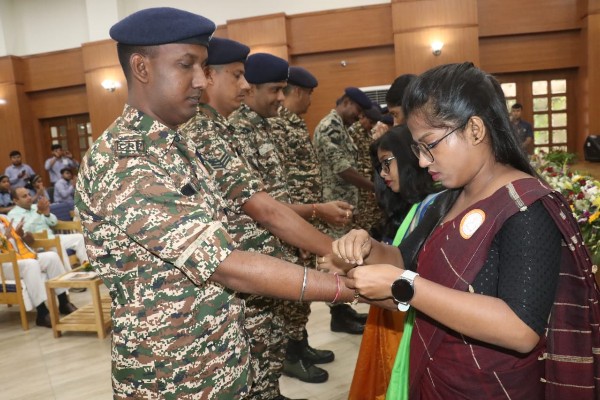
[34,365]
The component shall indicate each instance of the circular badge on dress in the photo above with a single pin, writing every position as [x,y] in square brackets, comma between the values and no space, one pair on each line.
[471,222]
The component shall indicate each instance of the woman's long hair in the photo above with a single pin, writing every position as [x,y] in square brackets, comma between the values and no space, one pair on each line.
[415,182]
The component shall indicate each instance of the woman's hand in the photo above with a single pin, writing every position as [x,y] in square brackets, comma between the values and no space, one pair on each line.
[353,247]
[333,264]
[374,281]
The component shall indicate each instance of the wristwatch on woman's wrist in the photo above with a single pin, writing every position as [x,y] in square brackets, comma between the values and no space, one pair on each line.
[403,289]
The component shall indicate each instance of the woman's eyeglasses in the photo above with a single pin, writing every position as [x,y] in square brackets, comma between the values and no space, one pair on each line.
[385,164]
[422,149]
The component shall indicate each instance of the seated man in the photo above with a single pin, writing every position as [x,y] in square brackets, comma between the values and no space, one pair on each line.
[18,172]
[64,188]
[34,269]
[6,203]
[38,218]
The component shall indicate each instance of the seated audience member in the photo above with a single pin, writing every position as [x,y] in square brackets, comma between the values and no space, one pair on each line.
[17,172]
[6,203]
[38,218]
[37,189]
[60,159]
[34,269]
[64,188]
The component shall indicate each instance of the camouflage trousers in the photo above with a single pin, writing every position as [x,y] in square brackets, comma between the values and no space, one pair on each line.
[266,333]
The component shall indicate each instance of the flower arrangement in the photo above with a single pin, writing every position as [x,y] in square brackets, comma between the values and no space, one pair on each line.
[581,191]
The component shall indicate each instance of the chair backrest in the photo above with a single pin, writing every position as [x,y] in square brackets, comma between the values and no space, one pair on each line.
[40,235]
[11,291]
[65,227]
[48,245]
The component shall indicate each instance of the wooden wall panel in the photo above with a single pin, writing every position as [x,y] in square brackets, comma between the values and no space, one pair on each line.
[268,31]
[593,76]
[101,62]
[104,106]
[413,15]
[59,102]
[366,67]
[338,30]
[510,17]
[530,52]
[53,70]
[222,32]
[413,49]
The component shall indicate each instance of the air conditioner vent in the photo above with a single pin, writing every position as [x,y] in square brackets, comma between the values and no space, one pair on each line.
[376,93]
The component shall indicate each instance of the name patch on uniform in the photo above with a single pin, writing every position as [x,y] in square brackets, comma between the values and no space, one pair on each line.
[130,147]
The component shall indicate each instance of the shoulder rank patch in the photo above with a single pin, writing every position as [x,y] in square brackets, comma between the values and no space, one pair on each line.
[130,147]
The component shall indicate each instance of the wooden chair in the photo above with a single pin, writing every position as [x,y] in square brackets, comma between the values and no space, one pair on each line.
[48,245]
[11,292]
[64,228]
[40,235]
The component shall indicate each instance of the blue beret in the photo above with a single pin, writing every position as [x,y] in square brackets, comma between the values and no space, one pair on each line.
[373,113]
[301,77]
[263,68]
[359,97]
[162,25]
[387,119]
[225,51]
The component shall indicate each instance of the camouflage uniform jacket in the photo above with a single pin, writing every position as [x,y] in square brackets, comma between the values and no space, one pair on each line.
[156,230]
[253,138]
[336,152]
[302,169]
[367,213]
[210,132]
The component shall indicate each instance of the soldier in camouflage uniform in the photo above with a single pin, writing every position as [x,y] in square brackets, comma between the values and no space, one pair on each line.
[369,213]
[244,191]
[338,156]
[156,229]
[267,76]
[303,176]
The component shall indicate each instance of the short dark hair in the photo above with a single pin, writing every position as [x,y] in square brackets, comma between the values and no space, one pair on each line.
[125,51]
[14,153]
[65,170]
[517,106]
[394,95]
[56,147]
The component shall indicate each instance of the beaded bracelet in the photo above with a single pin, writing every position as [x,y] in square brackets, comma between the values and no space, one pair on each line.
[303,284]
[339,289]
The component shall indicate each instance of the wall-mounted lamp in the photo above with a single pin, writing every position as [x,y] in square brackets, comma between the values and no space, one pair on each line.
[436,47]
[110,85]
[2,102]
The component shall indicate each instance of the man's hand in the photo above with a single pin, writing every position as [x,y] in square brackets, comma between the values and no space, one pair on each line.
[332,264]
[336,213]
[43,206]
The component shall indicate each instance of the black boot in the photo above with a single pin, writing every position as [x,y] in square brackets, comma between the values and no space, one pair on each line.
[343,320]
[315,356]
[43,316]
[65,307]
[296,367]
[361,318]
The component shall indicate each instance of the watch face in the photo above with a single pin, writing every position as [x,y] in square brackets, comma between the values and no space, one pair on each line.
[402,290]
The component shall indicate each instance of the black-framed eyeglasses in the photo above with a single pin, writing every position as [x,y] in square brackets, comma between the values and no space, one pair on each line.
[385,164]
[425,149]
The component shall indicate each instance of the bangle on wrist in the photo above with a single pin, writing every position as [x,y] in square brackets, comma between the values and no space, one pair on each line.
[303,284]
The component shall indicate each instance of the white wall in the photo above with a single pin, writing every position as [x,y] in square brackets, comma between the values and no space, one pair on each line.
[39,26]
